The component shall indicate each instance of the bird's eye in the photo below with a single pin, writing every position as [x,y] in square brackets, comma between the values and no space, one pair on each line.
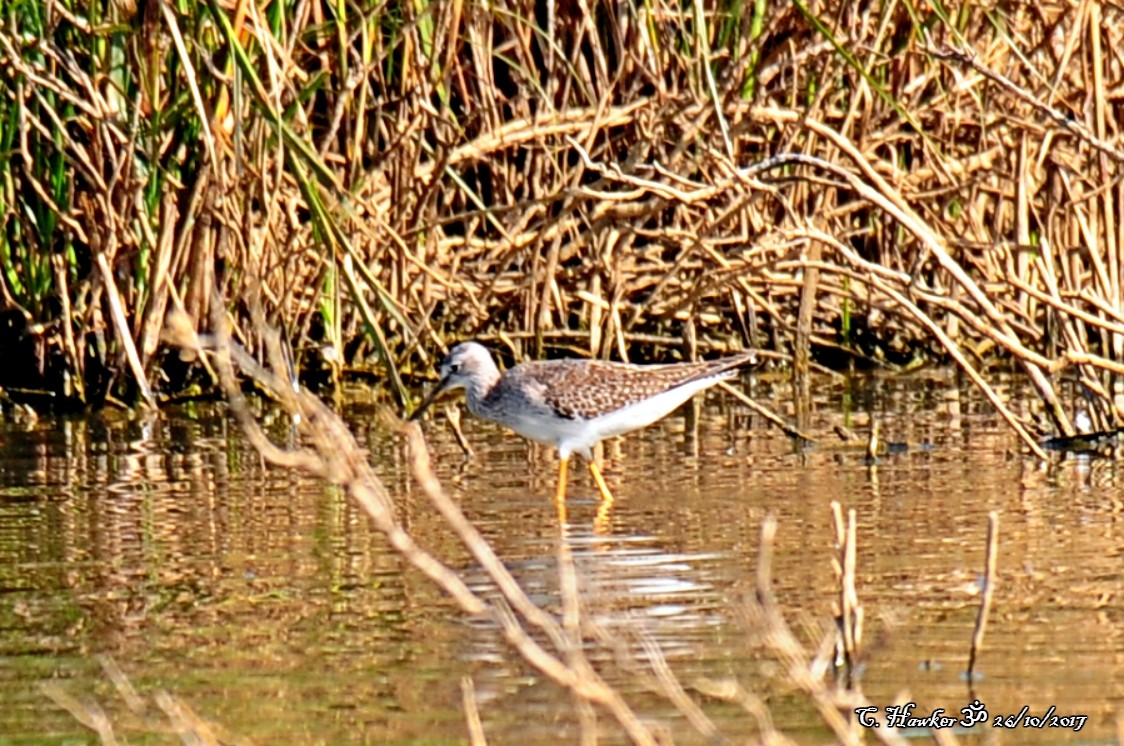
[454,367]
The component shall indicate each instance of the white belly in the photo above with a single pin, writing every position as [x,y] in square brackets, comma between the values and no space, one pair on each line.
[579,436]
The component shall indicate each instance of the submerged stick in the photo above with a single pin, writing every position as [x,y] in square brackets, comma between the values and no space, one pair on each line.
[988,589]
[791,432]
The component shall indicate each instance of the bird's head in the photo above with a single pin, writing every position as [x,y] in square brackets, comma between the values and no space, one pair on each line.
[467,364]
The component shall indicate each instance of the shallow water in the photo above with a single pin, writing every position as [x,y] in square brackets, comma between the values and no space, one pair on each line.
[266,602]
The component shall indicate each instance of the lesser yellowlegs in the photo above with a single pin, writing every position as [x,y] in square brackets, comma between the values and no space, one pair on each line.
[574,404]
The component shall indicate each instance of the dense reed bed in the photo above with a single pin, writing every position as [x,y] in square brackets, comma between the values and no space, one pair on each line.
[850,183]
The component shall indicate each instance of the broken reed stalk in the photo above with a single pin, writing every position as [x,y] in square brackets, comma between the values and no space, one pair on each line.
[802,345]
[89,714]
[849,614]
[454,416]
[803,671]
[472,713]
[672,689]
[117,313]
[780,638]
[988,589]
[730,690]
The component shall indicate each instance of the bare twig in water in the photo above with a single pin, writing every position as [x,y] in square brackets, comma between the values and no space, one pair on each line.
[730,690]
[988,590]
[572,624]
[191,728]
[671,688]
[454,415]
[780,638]
[133,700]
[804,671]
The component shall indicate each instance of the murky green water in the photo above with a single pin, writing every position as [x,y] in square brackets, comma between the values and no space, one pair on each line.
[266,602]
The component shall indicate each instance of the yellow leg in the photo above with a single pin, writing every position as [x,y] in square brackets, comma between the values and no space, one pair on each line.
[560,493]
[601,521]
[604,510]
[563,515]
[600,480]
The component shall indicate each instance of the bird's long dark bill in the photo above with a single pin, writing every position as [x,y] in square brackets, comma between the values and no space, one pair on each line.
[437,391]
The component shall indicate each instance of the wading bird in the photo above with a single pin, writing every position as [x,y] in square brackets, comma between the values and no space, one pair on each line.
[574,404]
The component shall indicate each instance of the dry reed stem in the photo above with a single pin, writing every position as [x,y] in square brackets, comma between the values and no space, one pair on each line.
[672,689]
[89,714]
[803,671]
[968,57]
[453,414]
[730,690]
[572,625]
[179,718]
[849,613]
[872,446]
[990,563]
[76,361]
[117,312]
[472,713]
[185,723]
[765,412]
[943,737]
[780,638]
[121,683]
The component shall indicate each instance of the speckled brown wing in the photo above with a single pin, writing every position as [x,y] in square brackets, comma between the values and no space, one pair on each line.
[588,388]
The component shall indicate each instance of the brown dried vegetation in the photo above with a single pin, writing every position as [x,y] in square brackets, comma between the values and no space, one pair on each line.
[944,184]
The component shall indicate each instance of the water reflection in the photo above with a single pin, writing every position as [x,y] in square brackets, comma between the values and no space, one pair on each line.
[265,600]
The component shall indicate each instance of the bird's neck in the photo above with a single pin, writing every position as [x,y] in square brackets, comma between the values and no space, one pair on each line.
[477,390]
